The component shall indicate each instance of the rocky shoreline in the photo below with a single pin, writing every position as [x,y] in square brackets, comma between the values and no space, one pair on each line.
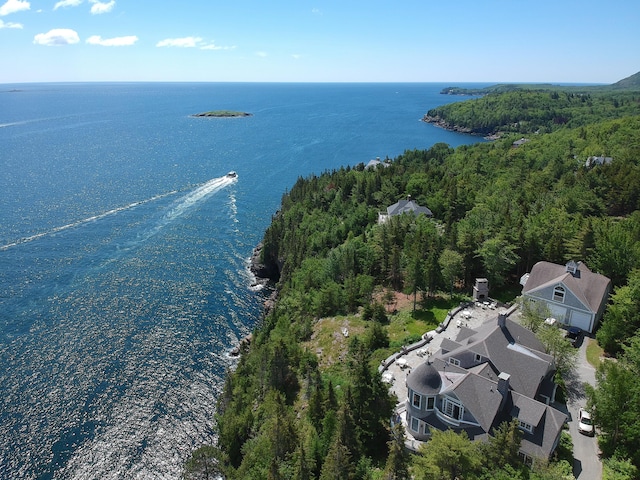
[265,276]
[440,122]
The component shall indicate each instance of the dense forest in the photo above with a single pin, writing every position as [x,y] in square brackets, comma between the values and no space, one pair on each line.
[529,109]
[285,413]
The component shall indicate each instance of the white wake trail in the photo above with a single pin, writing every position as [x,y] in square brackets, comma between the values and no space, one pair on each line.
[193,198]
[186,203]
[83,221]
[179,208]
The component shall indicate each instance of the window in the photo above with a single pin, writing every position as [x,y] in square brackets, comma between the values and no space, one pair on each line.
[526,459]
[478,358]
[431,402]
[558,294]
[525,426]
[415,424]
[452,409]
[454,361]
[416,400]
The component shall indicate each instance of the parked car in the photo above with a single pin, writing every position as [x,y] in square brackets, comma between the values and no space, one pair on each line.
[574,334]
[585,425]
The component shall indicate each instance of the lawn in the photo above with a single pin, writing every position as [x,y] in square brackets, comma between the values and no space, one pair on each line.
[594,352]
[405,326]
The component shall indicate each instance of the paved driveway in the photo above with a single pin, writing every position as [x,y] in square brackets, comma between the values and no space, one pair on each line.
[587,464]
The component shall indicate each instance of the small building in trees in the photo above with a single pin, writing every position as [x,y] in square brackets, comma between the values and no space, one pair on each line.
[574,295]
[594,161]
[519,143]
[373,164]
[483,378]
[403,206]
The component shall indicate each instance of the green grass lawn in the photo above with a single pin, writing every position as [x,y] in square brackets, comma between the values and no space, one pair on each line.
[594,352]
[404,327]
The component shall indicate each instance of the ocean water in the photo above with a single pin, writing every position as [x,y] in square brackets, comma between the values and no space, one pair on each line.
[124,251]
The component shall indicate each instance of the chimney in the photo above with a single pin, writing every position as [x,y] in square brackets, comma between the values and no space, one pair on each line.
[503,387]
[502,320]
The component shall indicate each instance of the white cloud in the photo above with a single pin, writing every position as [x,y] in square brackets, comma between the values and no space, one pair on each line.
[192,42]
[9,25]
[57,36]
[296,56]
[316,11]
[67,3]
[213,46]
[102,7]
[262,54]
[185,42]
[112,42]
[13,6]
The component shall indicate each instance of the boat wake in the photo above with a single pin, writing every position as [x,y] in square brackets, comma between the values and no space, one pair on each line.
[84,221]
[193,198]
[179,208]
[185,204]
[4,125]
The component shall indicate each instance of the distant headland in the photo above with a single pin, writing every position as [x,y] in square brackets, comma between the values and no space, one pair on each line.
[222,114]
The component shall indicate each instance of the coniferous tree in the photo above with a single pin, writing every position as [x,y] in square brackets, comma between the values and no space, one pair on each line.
[338,464]
[398,461]
[448,456]
[503,446]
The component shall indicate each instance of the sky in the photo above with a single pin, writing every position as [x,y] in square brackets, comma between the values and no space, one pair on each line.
[559,41]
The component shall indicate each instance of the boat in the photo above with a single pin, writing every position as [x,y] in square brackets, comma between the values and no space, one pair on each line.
[232,174]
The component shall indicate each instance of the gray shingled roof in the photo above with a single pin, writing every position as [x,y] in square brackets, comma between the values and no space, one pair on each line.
[481,397]
[514,350]
[589,287]
[407,206]
[527,409]
[511,349]
[425,379]
[540,442]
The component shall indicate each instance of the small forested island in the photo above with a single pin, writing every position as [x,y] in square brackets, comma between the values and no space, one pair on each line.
[356,287]
[222,114]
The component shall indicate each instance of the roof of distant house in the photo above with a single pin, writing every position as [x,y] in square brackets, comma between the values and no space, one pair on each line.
[408,206]
[593,161]
[374,163]
[522,141]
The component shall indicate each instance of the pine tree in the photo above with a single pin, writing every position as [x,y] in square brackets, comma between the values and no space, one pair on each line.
[338,464]
[504,444]
[397,466]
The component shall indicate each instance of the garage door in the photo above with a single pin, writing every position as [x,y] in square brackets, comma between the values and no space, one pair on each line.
[581,320]
[559,313]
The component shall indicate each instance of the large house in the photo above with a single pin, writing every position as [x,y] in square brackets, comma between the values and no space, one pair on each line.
[483,378]
[404,206]
[574,295]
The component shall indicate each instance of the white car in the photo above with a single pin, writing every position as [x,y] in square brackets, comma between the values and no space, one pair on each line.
[585,425]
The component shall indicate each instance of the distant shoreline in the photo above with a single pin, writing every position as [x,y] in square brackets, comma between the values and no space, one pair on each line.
[222,114]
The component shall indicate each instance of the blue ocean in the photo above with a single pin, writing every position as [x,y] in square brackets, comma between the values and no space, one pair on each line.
[124,250]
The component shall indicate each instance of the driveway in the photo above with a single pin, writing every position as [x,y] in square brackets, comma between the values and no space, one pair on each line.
[586,464]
